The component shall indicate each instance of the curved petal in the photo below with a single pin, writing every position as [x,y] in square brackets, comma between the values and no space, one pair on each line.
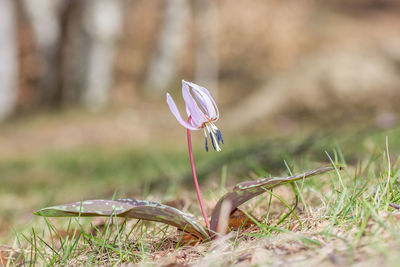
[177,115]
[198,117]
[206,103]
[205,99]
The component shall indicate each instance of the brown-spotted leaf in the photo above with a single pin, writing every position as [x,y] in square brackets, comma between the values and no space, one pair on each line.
[245,191]
[128,208]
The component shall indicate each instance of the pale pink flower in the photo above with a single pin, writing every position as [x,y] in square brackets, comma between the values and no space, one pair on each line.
[198,117]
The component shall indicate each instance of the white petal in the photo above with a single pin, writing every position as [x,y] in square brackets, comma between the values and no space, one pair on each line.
[205,99]
[177,114]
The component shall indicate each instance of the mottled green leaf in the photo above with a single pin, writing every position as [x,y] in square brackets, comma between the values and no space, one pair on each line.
[245,191]
[129,208]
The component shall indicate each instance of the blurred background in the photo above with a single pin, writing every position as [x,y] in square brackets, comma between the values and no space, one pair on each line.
[83,84]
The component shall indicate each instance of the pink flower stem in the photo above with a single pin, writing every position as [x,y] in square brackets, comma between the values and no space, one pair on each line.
[203,211]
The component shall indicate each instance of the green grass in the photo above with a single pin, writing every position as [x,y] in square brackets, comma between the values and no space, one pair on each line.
[341,217]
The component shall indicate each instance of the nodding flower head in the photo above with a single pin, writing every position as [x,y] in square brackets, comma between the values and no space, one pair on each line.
[202,117]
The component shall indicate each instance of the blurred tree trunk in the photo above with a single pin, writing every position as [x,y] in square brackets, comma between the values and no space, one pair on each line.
[206,23]
[164,63]
[44,17]
[74,52]
[103,32]
[8,58]
[76,42]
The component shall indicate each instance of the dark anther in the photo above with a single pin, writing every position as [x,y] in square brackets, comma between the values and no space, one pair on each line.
[212,142]
[219,137]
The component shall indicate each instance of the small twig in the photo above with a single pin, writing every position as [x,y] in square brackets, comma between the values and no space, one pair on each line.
[395,206]
[388,162]
[389,171]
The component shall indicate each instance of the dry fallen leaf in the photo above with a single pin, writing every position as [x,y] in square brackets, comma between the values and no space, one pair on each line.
[9,255]
[238,220]
[190,239]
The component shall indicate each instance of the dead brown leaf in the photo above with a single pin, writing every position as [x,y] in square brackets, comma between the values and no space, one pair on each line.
[9,255]
[239,220]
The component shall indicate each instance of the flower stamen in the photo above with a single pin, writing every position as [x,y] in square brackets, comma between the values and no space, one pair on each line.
[215,135]
[219,135]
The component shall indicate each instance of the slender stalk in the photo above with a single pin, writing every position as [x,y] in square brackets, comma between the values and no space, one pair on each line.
[196,184]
